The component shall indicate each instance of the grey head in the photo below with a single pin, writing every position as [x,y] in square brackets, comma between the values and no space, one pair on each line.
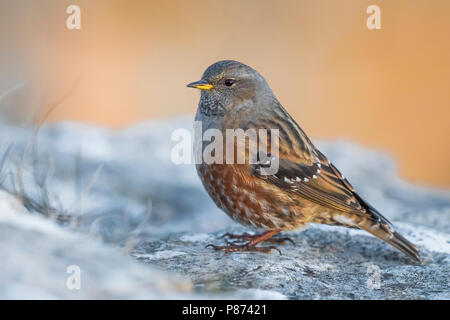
[230,87]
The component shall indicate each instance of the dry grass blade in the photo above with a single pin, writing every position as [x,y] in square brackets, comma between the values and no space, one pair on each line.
[131,240]
[3,162]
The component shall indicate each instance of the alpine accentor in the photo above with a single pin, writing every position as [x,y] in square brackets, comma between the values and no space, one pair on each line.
[306,188]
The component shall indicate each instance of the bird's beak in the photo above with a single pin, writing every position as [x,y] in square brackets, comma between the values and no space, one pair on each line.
[202,85]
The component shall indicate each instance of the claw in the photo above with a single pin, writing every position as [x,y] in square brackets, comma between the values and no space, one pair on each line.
[243,248]
[275,248]
[282,241]
[249,237]
[252,242]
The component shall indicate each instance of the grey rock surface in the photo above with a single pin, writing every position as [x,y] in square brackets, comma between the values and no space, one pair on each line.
[121,186]
[325,263]
[40,260]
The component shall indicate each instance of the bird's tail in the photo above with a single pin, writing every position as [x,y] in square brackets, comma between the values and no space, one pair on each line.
[380,227]
[375,224]
[387,233]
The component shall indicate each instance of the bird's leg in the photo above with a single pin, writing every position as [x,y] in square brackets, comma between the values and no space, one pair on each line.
[251,244]
[250,237]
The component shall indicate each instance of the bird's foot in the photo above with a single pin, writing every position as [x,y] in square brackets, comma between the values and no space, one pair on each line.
[243,248]
[249,237]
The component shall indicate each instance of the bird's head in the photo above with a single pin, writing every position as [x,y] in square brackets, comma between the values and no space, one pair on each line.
[228,84]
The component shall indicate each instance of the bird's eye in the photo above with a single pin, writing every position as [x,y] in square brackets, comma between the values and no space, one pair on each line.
[229,82]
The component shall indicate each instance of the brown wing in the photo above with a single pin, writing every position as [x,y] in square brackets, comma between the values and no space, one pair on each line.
[321,183]
[318,182]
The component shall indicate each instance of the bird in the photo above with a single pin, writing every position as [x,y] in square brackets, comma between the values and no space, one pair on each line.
[306,188]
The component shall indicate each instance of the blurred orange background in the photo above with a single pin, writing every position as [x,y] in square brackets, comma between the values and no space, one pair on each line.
[387,89]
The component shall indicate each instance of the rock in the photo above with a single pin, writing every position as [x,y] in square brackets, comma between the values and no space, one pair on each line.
[121,186]
[326,263]
[37,254]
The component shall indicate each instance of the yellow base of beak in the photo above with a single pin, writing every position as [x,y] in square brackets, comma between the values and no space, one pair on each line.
[205,87]
[202,85]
